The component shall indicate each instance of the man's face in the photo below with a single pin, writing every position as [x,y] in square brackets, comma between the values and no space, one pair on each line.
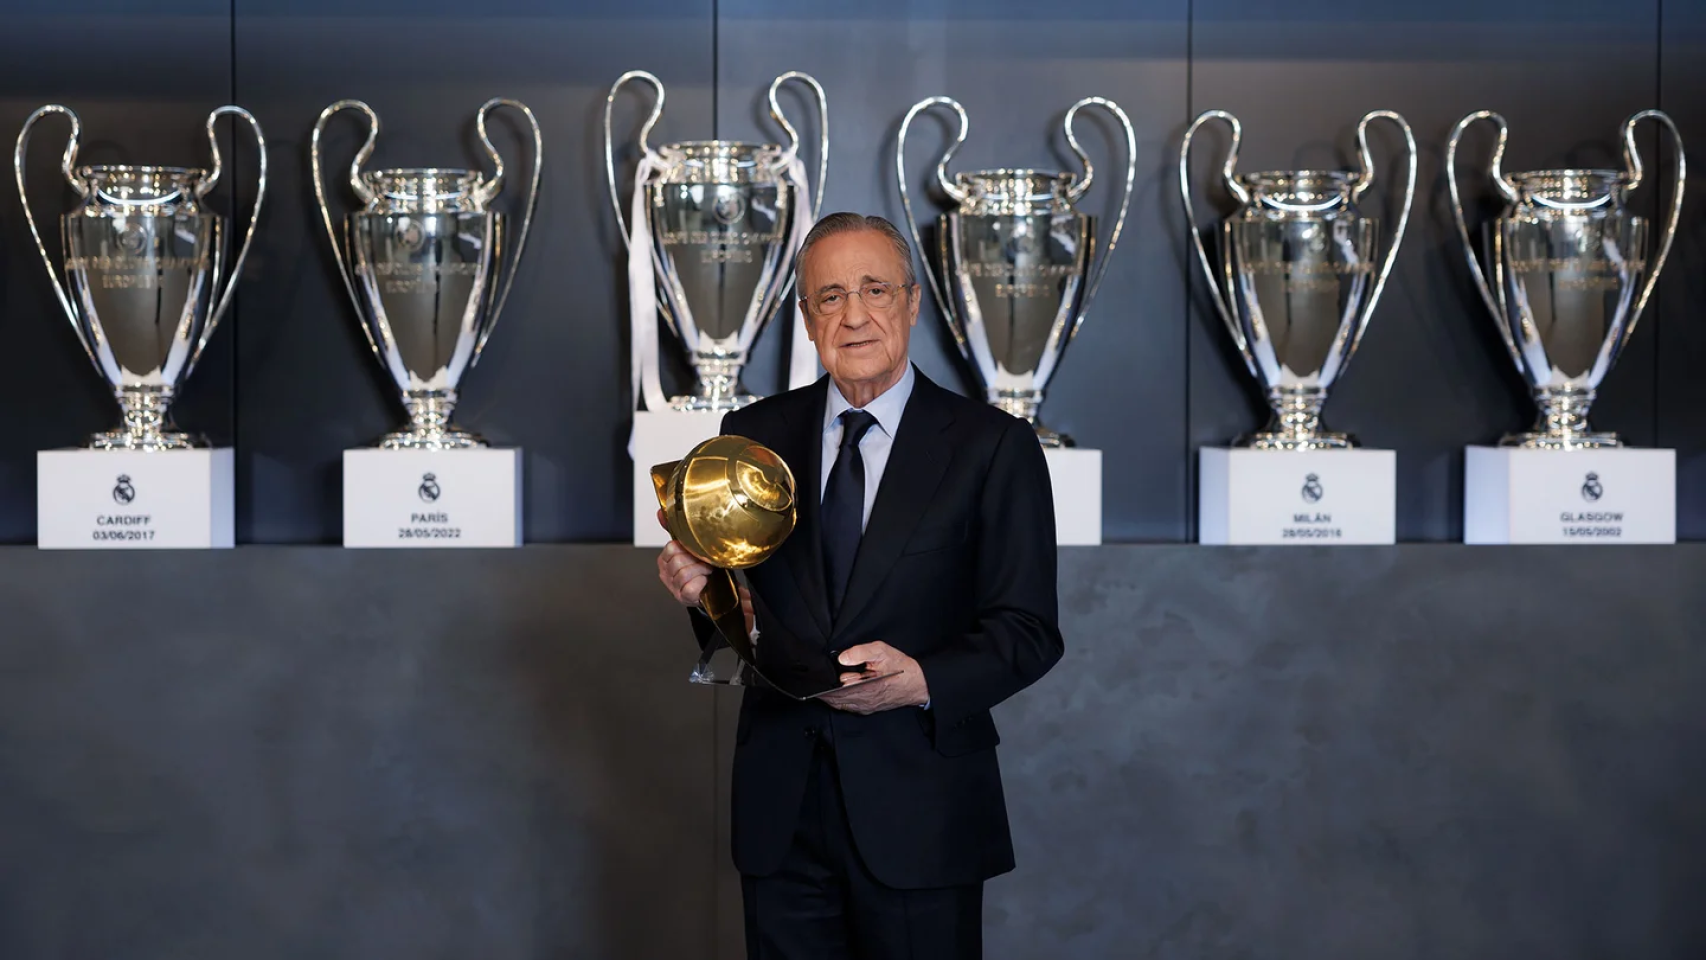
[860,344]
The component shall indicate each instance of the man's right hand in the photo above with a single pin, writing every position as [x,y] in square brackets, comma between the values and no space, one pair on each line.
[681,572]
[685,576]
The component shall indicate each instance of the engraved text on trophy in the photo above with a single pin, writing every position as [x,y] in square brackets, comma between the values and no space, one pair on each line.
[1021,277]
[1572,280]
[720,243]
[429,275]
[140,281]
[1301,285]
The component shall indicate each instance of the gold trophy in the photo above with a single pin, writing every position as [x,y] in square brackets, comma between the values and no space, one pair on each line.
[730,503]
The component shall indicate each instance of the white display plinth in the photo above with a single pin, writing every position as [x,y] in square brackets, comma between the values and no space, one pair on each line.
[1076,476]
[1616,495]
[131,499]
[1275,497]
[662,437]
[432,498]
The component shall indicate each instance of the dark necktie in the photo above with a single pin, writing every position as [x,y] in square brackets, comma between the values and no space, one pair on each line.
[844,506]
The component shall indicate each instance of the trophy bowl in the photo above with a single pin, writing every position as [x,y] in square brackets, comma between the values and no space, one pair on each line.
[730,501]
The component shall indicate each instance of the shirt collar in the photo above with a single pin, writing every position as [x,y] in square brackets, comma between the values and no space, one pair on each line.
[887,407]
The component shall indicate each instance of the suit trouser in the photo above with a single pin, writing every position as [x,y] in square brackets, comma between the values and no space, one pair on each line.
[823,904]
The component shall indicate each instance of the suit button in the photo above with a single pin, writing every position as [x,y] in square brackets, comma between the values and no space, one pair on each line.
[811,733]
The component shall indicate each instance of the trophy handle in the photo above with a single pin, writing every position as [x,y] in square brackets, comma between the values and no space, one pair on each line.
[490,188]
[225,282]
[1083,187]
[1215,290]
[366,195]
[1632,157]
[1506,188]
[1367,159]
[645,138]
[69,158]
[958,195]
[794,137]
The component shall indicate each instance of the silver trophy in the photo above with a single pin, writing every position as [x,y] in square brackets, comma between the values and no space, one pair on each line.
[1019,262]
[428,265]
[1299,276]
[1569,276]
[712,230]
[145,264]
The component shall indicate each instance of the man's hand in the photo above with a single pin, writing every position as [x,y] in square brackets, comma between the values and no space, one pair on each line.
[681,572]
[685,577]
[905,689]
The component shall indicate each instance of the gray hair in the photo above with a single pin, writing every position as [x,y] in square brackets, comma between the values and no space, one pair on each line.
[848,223]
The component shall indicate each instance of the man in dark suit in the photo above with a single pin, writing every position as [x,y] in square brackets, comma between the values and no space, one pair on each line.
[867,820]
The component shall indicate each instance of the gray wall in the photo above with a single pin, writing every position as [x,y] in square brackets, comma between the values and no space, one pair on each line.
[1408,752]
[1153,377]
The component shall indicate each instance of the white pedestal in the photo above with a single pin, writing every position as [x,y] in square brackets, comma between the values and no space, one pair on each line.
[1275,497]
[129,499]
[660,437]
[1569,496]
[1076,476]
[432,498]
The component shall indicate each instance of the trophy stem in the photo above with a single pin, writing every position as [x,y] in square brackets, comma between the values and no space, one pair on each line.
[717,388]
[1296,424]
[146,423]
[429,424]
[1562,424]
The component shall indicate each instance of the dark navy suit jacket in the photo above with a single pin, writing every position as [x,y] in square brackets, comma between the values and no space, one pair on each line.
[956,569]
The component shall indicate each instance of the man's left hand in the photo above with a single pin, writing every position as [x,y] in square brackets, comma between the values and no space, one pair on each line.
[906,688]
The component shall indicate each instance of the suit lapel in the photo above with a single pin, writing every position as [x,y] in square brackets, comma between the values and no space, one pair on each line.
[916,464]
[804,455]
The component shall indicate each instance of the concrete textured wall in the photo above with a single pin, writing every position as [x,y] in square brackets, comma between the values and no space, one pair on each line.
[1407,752]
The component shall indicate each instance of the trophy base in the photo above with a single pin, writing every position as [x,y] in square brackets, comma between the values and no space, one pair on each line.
[146,426]
[1565,441]
[1051,439]
[719,404]
[1024,405]
[1562,424]
[146,442]
[723,668]
[444,439]
[429,424]
[1267,440]
[1295,424]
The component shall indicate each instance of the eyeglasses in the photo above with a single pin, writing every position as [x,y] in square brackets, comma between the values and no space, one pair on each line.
[876,296]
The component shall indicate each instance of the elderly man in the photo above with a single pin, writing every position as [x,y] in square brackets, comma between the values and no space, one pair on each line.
[867,820]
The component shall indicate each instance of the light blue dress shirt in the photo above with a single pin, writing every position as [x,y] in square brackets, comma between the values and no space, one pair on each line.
[874,447]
